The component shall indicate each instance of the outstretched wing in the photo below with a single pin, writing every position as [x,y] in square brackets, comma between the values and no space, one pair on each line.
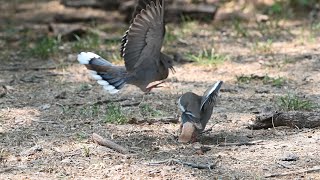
[141,4]
[210,96]
[143,41]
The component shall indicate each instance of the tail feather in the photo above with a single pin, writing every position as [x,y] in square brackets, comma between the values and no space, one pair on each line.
[111,77]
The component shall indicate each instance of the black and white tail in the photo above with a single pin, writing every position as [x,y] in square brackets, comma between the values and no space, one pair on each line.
[111,77]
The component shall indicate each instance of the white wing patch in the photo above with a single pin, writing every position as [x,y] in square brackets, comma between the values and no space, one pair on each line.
[216,85]
[180,106]
[213,88]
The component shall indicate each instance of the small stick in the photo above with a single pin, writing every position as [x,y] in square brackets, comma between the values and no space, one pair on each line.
[193,165]
[27,69]
[130,104]
[105,142]
[94,103]
[314,169]
[241,143]
[205,131]
[283,165]
[165,120]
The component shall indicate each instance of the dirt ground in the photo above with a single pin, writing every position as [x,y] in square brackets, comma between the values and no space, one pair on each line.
[47,116]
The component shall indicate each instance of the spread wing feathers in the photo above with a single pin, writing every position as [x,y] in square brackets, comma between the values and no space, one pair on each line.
[144,38]
[210,95]
[123,43]
[141,4]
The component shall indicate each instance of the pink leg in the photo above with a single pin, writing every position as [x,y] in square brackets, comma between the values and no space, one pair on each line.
[194,137]
[154,86]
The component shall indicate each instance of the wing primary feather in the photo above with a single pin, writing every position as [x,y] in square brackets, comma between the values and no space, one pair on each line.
[162,11]
[211,94]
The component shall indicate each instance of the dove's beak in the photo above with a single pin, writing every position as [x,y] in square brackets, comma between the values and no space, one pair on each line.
[172,70]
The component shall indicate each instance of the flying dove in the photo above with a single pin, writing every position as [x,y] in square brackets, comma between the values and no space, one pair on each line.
[196,111]
[141,51]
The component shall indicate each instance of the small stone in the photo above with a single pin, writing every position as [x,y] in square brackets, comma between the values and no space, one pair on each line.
[289,157]
[44,107]
[66,160]
[31,151]
[62,95]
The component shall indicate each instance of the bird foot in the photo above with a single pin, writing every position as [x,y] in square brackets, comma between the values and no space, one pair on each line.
[154,86]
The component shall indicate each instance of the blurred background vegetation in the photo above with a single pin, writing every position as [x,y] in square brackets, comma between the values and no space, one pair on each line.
[40,29]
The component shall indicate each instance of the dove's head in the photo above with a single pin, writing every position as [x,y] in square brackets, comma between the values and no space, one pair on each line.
[167,62]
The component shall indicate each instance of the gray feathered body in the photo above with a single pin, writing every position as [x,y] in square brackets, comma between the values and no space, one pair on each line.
[200,117]
[141,50]
[198,109]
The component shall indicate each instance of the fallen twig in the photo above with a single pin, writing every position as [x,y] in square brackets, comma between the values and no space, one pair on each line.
[31,151]
[94,103]
[313,169]
[283,165]
[193,165]
[165,120]
[242,143]
[7,169]
[12,168]
[131,104]
[28,69]
[110,144]
[207,130]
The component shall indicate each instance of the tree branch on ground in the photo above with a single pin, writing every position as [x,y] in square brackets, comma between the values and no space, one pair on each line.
[177,161]
[292,119]
[311,170]
[108,143]
[242,143]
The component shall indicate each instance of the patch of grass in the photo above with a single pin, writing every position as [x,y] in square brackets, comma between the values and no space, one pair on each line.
[3,156]
[81,136]
[87,43]
[170,37]
[66,109]
[208,57]
[289,8]
[246,79]
[292,102]
[275,9]
[185,19]
[302,3]
[263,47]
[86,151]
[85,87]
[90,111]
[188,26]
[147,110]
[116,57]
[288,60]
[315,27]
[277,82]
[45,47]
[240,29]
[115,115]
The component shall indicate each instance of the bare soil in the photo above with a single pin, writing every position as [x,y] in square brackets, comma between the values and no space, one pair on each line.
[47,116]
